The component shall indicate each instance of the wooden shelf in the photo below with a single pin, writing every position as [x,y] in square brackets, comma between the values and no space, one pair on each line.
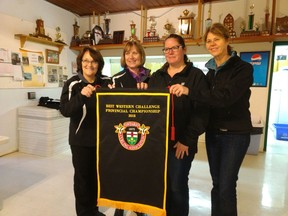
[194,42]
[257,39]
[23,38]
[189,42]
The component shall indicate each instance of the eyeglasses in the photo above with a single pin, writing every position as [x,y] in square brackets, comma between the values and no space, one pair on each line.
[174,49]
[86,62]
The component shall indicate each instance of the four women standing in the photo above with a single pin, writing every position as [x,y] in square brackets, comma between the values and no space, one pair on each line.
[226,89]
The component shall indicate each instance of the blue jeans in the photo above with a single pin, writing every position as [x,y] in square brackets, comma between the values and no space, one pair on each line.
[225,155]
[177,184]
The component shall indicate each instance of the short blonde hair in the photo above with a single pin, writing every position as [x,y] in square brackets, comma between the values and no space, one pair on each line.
[139,49]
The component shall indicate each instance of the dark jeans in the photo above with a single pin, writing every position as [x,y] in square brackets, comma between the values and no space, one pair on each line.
[225,156]
[85,184]
[177,184]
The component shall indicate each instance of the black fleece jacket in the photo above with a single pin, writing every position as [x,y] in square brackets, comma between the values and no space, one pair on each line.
[81,110]
[191,117]
[228,96]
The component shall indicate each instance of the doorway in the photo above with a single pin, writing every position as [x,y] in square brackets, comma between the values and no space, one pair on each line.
[277,128]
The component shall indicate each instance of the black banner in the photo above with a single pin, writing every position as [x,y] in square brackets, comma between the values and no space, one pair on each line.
[132,140]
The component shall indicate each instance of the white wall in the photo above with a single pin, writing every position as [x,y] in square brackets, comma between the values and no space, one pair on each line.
[19,17]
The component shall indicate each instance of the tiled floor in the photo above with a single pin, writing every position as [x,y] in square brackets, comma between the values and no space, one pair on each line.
[42,186]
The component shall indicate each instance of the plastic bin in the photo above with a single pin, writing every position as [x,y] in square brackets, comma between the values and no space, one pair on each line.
[281,131]
[255,136]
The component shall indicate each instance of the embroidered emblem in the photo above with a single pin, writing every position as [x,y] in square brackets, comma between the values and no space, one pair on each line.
[132,135]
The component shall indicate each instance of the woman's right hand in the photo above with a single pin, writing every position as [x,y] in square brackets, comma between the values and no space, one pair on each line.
[111,86]
[88,90]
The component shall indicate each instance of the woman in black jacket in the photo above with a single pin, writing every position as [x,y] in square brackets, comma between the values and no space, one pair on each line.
[78,102]
[188,117]
[228,133]
[133,75]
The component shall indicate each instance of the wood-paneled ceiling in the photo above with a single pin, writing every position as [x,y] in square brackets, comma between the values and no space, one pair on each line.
[87,7]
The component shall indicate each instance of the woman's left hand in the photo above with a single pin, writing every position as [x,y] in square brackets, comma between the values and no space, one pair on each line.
[179,90]
[181,150]
[142,85]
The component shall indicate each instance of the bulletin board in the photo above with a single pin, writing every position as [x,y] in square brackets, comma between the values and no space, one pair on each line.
[26,69]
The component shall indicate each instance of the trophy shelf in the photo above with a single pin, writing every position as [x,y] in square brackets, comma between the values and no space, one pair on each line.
[189,42]
[23,38]
[193,42]
[257,39]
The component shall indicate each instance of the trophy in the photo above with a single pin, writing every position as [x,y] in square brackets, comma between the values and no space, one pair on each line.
[58,35]
[208,21]
[266,32]
[107,37]
[168,28]
[133,30]
[75,41]
[251,18]
[251,32]
[151,33]
[40,31]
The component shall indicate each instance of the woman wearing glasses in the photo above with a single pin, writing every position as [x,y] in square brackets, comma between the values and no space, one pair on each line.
[189,117]
[78,103]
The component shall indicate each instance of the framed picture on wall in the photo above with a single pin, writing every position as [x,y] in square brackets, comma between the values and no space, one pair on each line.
[52,56]
[260,62]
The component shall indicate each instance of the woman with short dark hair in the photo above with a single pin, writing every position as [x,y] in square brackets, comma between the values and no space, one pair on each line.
[78,102]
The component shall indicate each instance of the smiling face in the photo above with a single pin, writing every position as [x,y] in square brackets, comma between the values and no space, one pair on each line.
[216,45]
[89,67]
[174,52]
[133,58]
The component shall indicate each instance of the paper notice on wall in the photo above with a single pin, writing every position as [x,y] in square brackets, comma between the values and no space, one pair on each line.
[6,69]
[17,73]
[5,55]
[33,69]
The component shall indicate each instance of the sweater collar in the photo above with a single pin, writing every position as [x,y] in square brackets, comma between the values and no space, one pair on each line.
[211,64]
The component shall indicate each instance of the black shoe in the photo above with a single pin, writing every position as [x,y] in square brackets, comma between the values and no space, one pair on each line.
[119,212]
[99,214]
[140,214]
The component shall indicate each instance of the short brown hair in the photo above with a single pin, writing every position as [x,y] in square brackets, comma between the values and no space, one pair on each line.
[139,49]
[219,30]
[95,54]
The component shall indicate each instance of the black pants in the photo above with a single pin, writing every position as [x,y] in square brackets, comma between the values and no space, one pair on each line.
[85,180]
